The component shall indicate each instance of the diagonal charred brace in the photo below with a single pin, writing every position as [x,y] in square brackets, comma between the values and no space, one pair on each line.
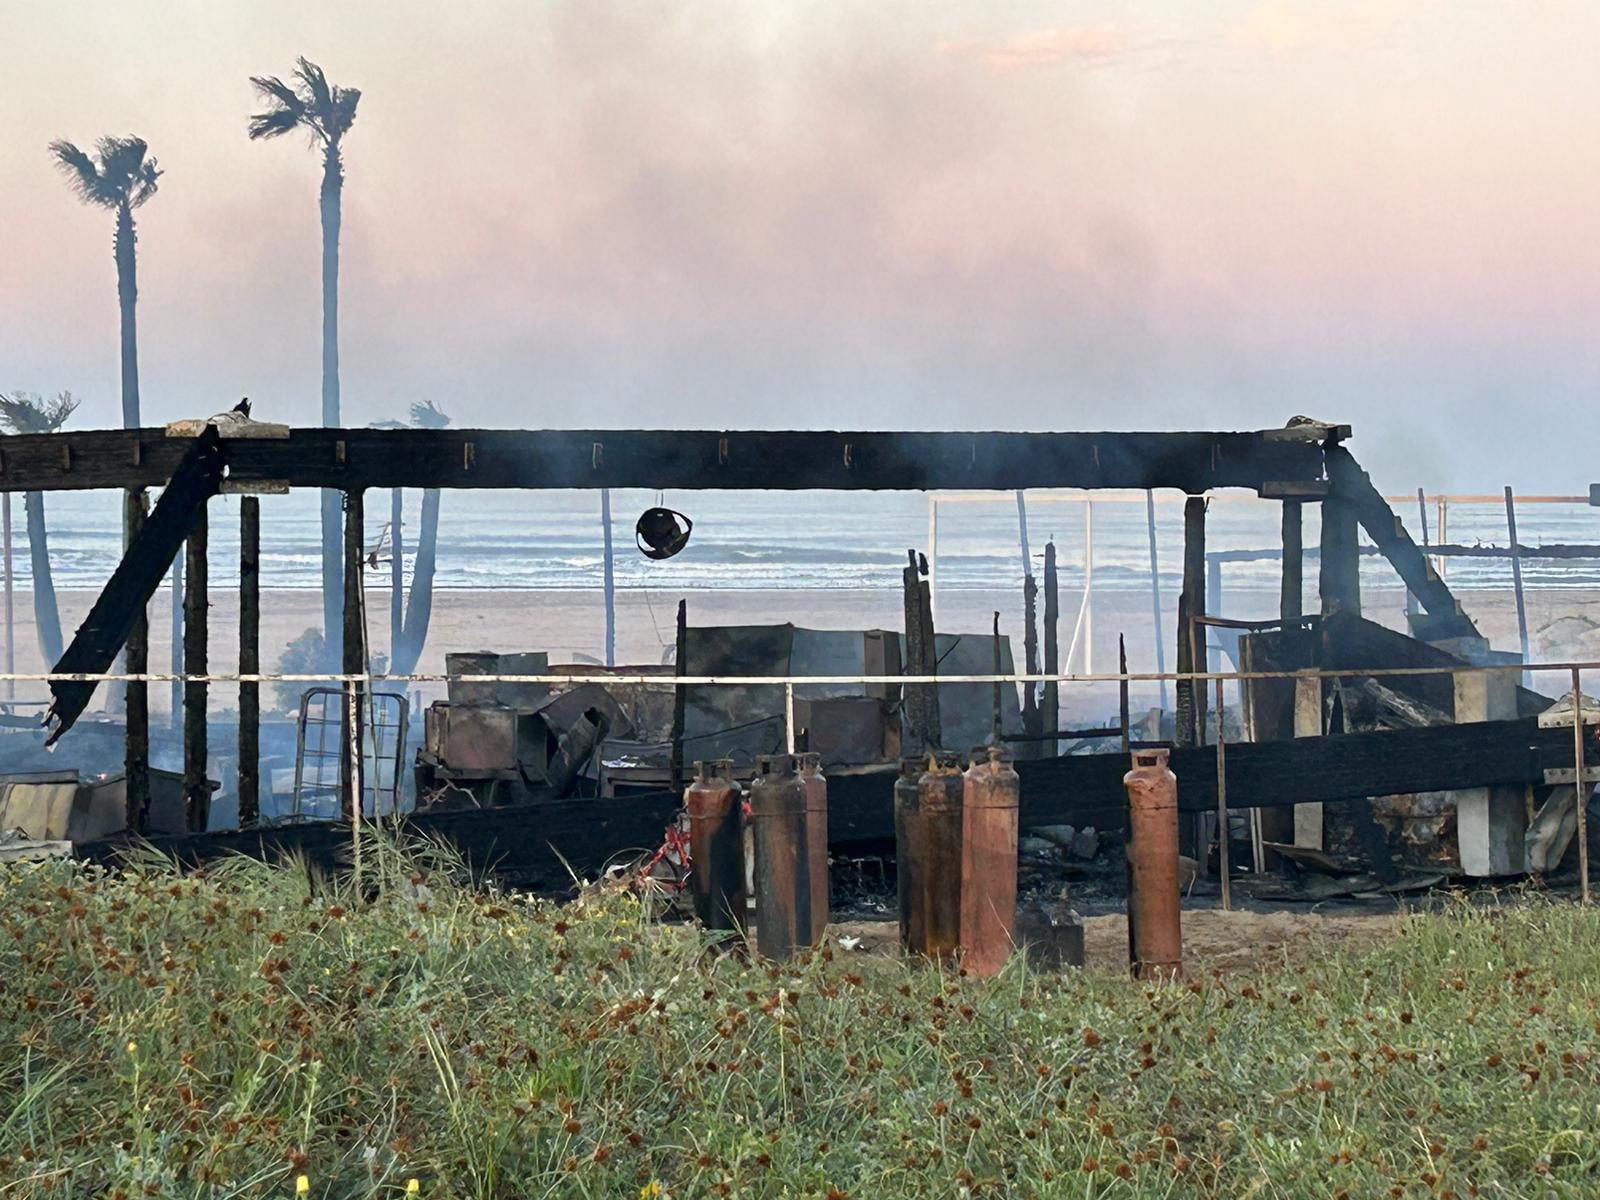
[95,646]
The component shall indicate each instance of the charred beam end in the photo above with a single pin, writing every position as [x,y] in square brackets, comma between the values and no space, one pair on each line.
[482,458]
[354,658]
[249,659]
[136,749]
[195,478]
[196,584]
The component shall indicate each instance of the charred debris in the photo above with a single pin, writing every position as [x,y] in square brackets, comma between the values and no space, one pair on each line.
[1322,784]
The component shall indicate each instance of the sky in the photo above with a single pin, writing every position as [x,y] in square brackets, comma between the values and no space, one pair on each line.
[918,214]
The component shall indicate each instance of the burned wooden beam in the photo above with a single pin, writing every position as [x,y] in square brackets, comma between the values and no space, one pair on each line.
[196,582]
[136,748]
[1354,490]
[1339,576]
[249,659]
[195,479]
[1191,637]
[538,845]
[503,458]
[352,709]
[1050,699]
[1292,595]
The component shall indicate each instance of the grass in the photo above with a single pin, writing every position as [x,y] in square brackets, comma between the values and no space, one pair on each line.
[223,1035]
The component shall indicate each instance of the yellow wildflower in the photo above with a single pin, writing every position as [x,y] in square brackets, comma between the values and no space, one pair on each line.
[133,1047]
[650,1190]
[302,1185]
[412,1187]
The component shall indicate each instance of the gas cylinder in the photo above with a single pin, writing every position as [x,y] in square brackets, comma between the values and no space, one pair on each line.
[933,849]
[990,795]
[783,885]
[815,786]
[716,845]
[1155,934]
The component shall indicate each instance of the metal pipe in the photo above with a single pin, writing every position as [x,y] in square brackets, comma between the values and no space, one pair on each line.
[1155,923]
[1516,571]
[788,717]
[1222,807]
[989,801]
[714,804]
[1580,788]
[1155,593]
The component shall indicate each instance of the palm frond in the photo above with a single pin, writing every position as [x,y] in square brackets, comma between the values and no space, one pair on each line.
[26,412]
[144,183]
[428,415]
[320,95]
[83,176]
[287,110]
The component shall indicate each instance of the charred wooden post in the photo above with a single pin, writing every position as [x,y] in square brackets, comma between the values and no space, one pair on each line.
[1050,703]
[136,753]
[353,657]
[814,786]
[1339,580]
[1155,932]
[1291,600]
[249,660]
[1032,725]
[1155,594]
[994,722]
[716,845]
[783,891]
[397,607]
[196,786]
[921,699]
[927,829]
[990,800]
[1192,604]
[680,696]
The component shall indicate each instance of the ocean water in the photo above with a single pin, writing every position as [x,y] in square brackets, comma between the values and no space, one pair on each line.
[553,539]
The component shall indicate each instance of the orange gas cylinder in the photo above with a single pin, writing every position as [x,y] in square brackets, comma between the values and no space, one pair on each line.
[1155,933]
[716,845]
[990,795]
[783,885]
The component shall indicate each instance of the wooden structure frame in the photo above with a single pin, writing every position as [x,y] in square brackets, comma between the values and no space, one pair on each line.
[1303,462]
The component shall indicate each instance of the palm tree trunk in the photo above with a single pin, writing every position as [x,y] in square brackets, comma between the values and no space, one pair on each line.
[46,615]
[332,557]
[419,604]
[127,299]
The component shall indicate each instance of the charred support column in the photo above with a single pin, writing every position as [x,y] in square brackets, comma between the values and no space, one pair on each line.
[1050,705]
[136,753]
[1155,932]
[249,660]
[1191,696]
[814,785]
[1291,600]
[196,787]
[1340,579]
[353,657]
[679,696]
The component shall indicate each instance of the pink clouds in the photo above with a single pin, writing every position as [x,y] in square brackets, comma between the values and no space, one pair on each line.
[1045,47]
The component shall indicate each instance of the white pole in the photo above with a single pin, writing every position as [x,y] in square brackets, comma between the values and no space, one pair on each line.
[610,580]
[1088,586]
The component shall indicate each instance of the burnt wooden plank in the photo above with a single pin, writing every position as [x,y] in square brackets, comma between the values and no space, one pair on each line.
[354,655]
[136,747]
[104,631]
[535,845]
[249,659]
[196,784]
[686,459]
[1354,493]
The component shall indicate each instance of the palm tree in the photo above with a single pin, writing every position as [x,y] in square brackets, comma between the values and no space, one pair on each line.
[325,113]
[118,176]
[419,602]
[21,412]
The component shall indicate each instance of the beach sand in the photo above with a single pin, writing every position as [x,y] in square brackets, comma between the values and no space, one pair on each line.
[569,623]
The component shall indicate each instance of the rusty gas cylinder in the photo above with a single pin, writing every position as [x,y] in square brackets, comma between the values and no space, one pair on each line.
[1154,931]
[783,885]
[716,845]
[815,786]
[932,853]
[990,795]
